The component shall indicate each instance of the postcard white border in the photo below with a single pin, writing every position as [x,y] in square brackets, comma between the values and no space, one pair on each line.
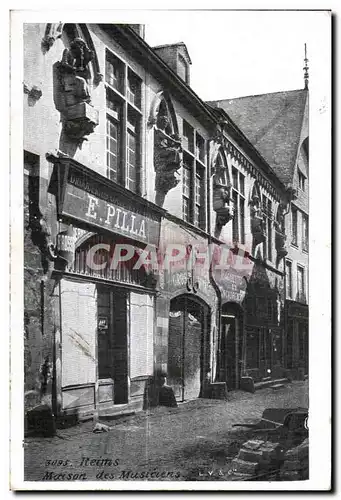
[319,270]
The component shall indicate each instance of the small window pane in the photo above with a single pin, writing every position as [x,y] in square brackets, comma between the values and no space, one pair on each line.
[113,146]
[186,179]
[196,215]
[289,280]
[185,208]
[200,148]
[241,183]
[131,159]
[235,178]
[242,220]
[294,225]
[114,73]
[188,137]
[134,90]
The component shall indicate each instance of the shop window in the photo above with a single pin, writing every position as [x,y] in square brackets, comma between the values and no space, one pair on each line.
[289,279]
[294,225]
[123,133]
[123,272]
[267,216]
[305,233]
[193,177]
[238,198]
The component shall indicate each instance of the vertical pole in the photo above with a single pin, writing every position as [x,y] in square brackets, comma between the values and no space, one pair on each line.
[184,325]
[236,337]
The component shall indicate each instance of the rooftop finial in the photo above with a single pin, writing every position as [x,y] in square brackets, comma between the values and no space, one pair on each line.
[306,68]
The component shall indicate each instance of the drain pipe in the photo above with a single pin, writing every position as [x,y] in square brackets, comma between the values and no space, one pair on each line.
[216,341]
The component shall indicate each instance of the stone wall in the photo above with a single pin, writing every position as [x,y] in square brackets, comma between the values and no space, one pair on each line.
[37,306]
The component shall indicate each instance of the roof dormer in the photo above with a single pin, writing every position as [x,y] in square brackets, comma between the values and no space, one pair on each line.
[177,57]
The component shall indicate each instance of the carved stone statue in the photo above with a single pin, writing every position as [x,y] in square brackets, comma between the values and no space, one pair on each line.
[78,115]
[75,65]
[167,157]
[257,221]
[222,203]
[280,236]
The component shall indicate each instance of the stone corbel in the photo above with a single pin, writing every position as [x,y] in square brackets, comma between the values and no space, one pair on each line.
[33,94]
[79,121]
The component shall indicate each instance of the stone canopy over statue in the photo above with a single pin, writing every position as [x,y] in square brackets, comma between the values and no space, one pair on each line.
[167,155]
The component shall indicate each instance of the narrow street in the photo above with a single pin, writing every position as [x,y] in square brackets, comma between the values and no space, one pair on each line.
[195,441]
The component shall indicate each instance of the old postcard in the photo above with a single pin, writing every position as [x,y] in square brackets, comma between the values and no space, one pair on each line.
[170,315]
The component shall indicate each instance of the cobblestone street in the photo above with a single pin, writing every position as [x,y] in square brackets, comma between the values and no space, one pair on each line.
[195,441]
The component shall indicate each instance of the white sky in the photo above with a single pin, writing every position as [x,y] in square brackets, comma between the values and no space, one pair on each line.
[237,53]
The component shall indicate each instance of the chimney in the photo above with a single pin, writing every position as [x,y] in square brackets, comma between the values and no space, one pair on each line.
[177,57]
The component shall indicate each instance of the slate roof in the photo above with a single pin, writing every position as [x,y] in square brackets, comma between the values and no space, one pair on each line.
[272,123]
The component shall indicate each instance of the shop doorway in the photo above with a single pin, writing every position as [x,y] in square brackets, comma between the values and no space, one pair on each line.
[112,345]
[188,345]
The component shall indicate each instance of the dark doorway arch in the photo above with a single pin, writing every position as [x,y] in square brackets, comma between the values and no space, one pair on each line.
[230,345]
[188,346]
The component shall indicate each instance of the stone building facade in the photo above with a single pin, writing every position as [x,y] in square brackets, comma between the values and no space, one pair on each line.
[150,240]
[277,125]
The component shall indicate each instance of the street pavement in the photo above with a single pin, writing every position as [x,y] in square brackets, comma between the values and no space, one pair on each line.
[195,441]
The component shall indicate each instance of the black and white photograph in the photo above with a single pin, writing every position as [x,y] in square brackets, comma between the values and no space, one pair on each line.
[166,215]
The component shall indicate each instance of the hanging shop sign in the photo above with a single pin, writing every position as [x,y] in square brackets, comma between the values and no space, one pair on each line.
[86,197]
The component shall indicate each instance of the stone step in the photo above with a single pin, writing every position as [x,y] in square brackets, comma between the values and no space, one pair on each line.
[270,383]
[277,386]
[114,414]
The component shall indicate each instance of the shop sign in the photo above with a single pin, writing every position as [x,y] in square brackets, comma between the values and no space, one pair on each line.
[111,216]
[85,196]
[103,323]
[184,281]
[232,286]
